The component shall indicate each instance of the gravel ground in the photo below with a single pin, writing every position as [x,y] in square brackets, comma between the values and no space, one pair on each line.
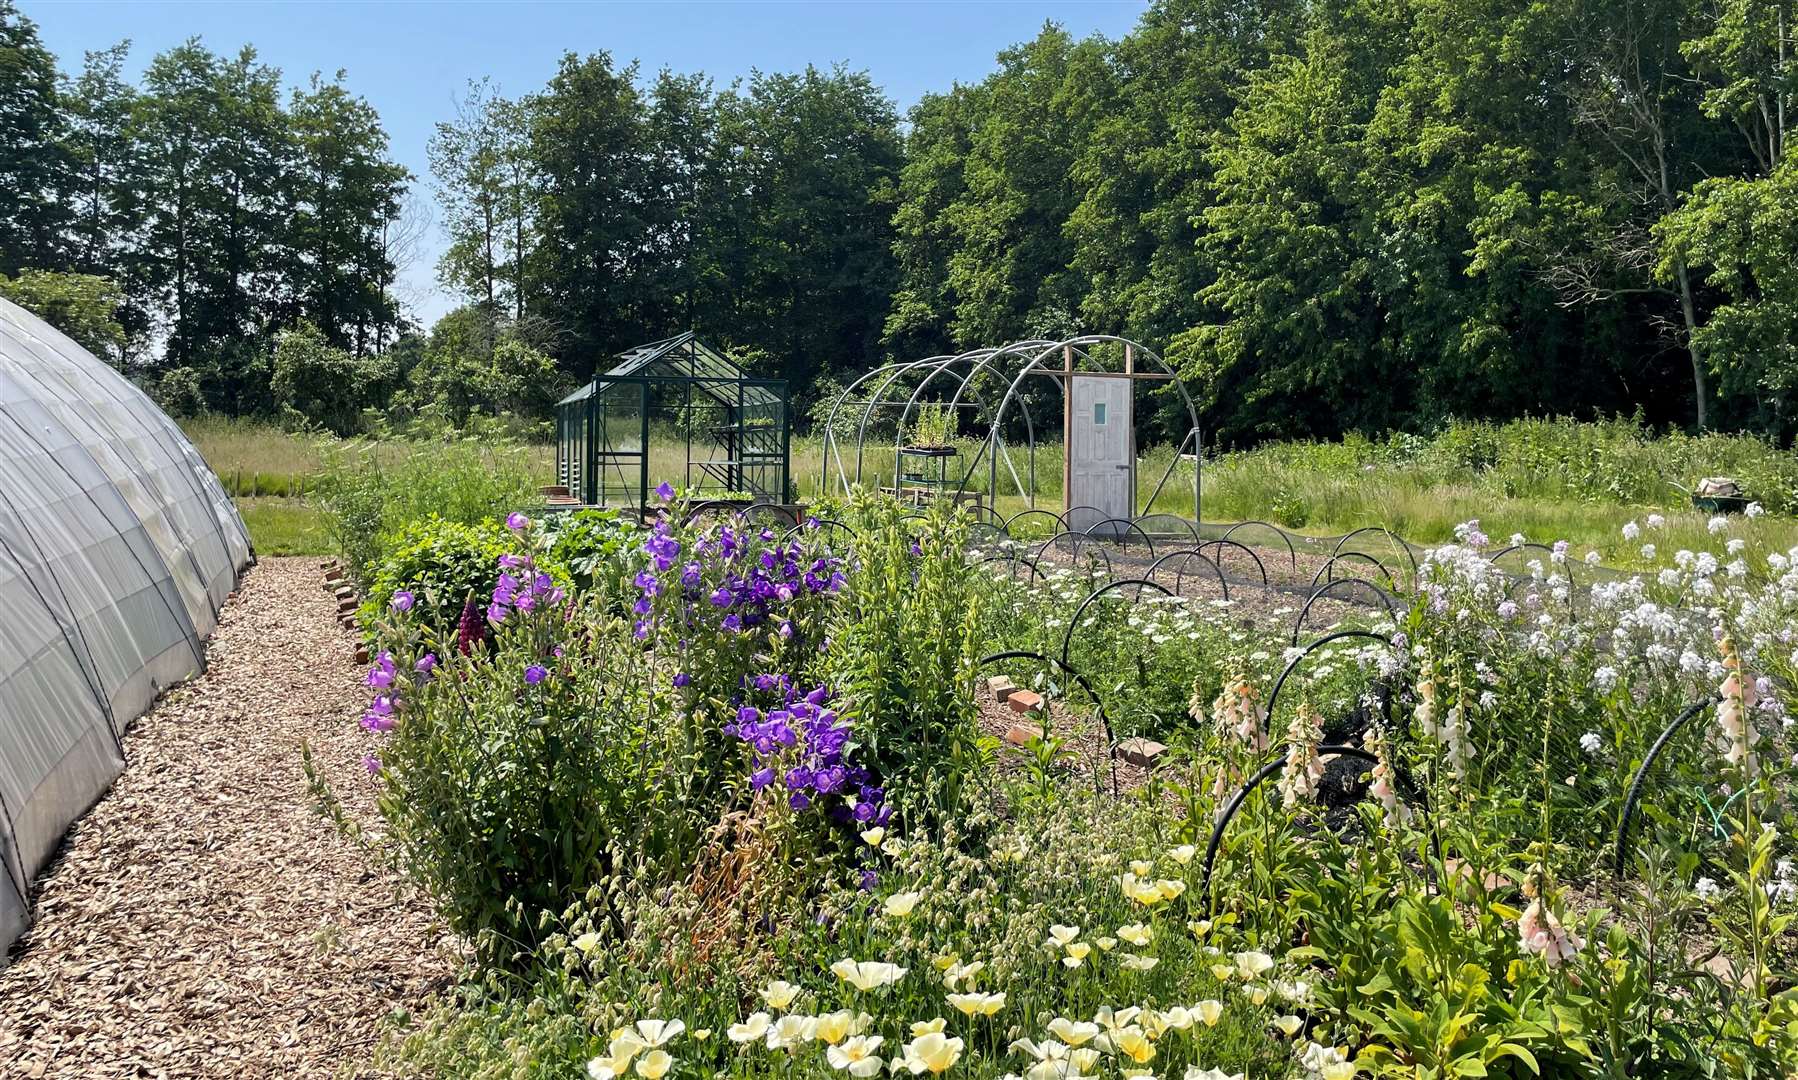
[203,919]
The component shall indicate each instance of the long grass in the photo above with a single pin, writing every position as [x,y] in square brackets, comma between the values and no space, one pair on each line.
[1546,479]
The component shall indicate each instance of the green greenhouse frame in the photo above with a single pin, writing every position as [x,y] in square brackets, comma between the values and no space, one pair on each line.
[737,430]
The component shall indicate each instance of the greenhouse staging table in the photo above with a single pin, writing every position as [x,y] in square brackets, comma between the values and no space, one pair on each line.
[204,919]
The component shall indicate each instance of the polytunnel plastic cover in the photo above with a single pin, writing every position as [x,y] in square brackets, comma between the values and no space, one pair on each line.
[117,547]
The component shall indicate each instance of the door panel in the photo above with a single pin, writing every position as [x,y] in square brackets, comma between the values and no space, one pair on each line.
[1102,463]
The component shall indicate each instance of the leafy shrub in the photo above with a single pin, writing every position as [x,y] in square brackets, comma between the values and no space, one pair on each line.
[367,498]
[597,547]
[903,650]
[443,564]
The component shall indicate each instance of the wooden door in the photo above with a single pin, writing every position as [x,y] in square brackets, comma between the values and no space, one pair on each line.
[1101,455]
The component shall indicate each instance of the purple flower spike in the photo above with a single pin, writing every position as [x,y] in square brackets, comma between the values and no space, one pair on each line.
[535,674]
[402,601]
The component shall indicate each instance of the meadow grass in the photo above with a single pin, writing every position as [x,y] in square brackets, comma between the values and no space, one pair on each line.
[283,526]
[1547,480]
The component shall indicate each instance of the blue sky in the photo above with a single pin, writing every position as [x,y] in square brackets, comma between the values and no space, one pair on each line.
[411,59]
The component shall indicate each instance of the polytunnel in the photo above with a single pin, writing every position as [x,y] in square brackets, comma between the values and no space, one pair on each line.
[117,547]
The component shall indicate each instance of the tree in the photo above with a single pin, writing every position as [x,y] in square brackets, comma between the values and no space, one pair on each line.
[316,383]
[35,163]
[344,192]
[485,185]
[83,306]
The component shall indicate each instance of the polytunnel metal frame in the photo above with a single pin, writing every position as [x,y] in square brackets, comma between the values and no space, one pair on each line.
[1027,356]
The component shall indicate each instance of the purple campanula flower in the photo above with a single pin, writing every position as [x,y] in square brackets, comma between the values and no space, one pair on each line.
[799,800]
[377,722]
[798,777]
[426,664]
[732,623]
[517,522]
[535,674]
[640,629]
[721,597]
[786,628]
[642,606]
[682,679]
[372,764]
[749,714]
[402,601]
[869,880]
[689,575]
[525,603]
[664,491]
[761,778]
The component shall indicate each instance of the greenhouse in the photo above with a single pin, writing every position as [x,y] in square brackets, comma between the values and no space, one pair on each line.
[679,412]
[117,547]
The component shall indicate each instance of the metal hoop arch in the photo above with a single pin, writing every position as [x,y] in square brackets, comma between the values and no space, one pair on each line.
[1397,542]
[1323,590]
[817,525]
[1273,696]
[1067,637]
[1073,673]
[1128,524]
[1180,574]
[774,509]
[1635,785]
[1242,795]
[1249,551]
[1277,531]
[1326,568]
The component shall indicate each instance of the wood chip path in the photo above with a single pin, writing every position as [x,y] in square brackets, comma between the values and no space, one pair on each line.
[203,919]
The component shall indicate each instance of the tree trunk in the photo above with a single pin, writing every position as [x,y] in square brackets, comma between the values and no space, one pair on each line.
[1689,310]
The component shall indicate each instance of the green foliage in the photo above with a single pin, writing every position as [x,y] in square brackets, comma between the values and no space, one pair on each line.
[317,383]
[516,779]
[443,564]
[903,650]
[82,306]
[180,394]
[933,425]
[598,548]
[367,499]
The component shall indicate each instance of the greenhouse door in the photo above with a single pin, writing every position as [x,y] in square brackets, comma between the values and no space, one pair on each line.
[1101,461]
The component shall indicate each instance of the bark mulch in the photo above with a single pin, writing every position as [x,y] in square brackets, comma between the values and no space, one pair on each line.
[204,919]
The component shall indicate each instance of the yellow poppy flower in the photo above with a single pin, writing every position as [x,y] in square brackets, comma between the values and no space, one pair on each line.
[833,1027]
[750,1030]
[1141,868]
[920,1028]
[1252,965]
[1060,935]
[779,994]
[963,973]
[899,905]
[1183,854]
[978,1004]
[857,1056]
[874,837]
[1084,1058]
[587,942]
[659,1032]
[1257,994]
[654,1065]
[1136,934]
[791,1030]
[1071,1032]
[1077,953]
[1210,1011]
[1289,1025]
[1133,962]
[932,1053]
[1222,972]
[1132,1043]
[867,974]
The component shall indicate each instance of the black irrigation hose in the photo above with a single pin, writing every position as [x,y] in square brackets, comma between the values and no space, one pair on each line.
[1180,574]
[1397,541]
[1635,784]
[1259,565]
[1118,536]
[815,524]
[1098,702]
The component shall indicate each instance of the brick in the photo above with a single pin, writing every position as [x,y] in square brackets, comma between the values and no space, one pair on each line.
[1001,687]
[1140,751]
[1020,733]
[361,654]
[1023,701]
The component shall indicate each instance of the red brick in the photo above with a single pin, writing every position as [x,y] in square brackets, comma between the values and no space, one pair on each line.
[1140,751]
[1023,701]
[1020,734]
